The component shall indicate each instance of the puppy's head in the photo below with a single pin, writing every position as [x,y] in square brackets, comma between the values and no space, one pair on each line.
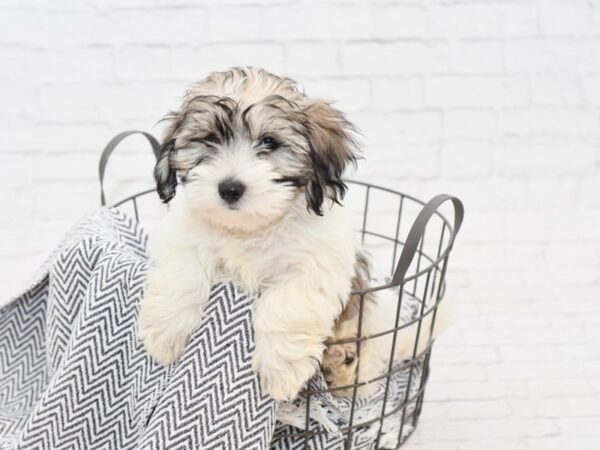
[248,146]
[339,367]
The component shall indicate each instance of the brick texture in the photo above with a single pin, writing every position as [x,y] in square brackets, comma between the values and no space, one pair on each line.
[497,102]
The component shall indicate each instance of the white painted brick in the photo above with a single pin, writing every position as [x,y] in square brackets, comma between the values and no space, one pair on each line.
[161,27]
[83,64]
[349,95]
[479,91]
[20,25]
[531,371]
[574,353]
[489,19]
[392,94]
[394,58]
[578,276]
[470,123]
[517,320]
[549,121]
[139,62]
[589,190]
[534,336]
[463,430]
[419,161]
[393,128]
[556,89]
[478,409]
[14,168]
[435,413]
[88,102]
[501,255]
[396,21]
[314,21]
[73,138]
[554,194]
[592,89]
[477,390]
[17,99]
[463,372]
[545,156]
[467,159]
[537,227]
[312,59]
[542,55]
[74,27]
[238,22]
[515,354]
[542,388]
[562,442]
[194,63]
[485,227]
[17,205]
[414,443]
[478,57]
[67,166]
[494,444]
[82,197]
[70,102]
[17,63]
[565,255]
[558,407]
[447,356]
[590,224]
[492,194]
[567,18]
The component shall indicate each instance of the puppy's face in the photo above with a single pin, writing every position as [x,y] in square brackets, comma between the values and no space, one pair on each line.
[339,367]
[248,147]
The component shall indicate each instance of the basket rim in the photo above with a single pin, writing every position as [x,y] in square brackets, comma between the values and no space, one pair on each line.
[433,265]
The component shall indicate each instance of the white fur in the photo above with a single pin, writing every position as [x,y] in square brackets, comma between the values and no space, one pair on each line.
[300,262]
[383,316]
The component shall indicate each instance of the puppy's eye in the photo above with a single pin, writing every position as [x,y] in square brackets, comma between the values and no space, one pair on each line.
[211,138]
[269,143]
[349,360]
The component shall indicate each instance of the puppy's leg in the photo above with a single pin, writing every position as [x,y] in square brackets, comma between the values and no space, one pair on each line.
[177,291]
[293,319]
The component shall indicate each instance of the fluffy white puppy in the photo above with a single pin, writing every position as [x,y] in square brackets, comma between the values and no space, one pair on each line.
[259,166]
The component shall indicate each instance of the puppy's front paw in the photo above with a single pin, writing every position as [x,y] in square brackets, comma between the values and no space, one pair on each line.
[284,366]
[165,331]
[163,345]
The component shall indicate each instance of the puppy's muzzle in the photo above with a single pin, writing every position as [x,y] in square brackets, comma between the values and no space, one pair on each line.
[231,190]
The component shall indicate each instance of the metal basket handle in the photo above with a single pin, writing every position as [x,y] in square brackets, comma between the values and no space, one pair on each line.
[110,147]
[417,232]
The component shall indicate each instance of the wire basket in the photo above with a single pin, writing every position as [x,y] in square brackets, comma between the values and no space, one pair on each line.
[410,242]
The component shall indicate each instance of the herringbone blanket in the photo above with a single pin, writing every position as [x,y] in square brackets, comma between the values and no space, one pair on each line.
[73,374]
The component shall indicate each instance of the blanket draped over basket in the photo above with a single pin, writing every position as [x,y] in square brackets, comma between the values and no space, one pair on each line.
[73,374]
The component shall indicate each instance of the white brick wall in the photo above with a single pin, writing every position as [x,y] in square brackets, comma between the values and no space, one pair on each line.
[495,101]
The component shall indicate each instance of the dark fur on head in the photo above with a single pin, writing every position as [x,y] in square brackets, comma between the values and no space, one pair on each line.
[164,175]
[241,103]
[332,149]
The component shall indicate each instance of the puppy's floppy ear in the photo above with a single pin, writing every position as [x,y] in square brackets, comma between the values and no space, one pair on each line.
[332,148]
[164,174]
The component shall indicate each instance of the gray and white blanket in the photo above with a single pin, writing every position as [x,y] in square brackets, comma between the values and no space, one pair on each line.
[73,374]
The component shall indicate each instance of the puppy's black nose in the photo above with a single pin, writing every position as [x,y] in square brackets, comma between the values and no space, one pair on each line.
[231,191]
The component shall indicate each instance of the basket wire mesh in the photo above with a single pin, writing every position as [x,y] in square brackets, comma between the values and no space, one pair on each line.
[418,251]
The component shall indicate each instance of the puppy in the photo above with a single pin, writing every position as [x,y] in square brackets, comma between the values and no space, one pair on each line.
[257,166]
[340,361]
